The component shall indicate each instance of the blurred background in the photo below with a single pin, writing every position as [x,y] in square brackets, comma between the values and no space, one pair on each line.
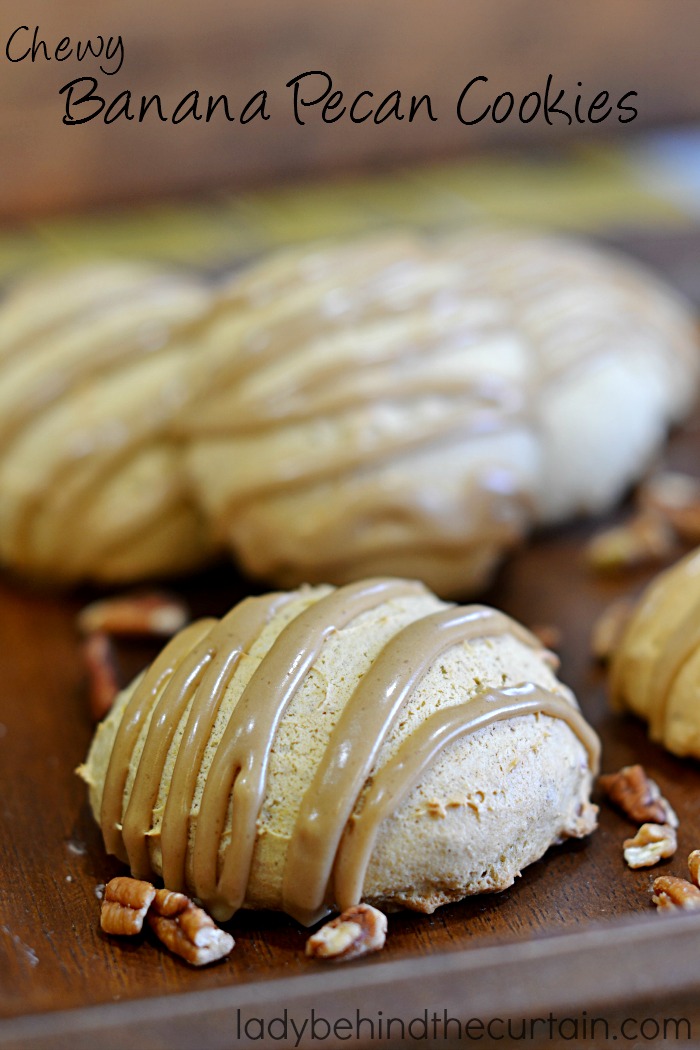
[209,193]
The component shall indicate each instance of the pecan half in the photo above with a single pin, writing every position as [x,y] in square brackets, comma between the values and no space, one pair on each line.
[637,795]
[672,894]
[358,931]
[152,613]
[652,843]
[694,866]
[125,903]
[187,930]
[104,680]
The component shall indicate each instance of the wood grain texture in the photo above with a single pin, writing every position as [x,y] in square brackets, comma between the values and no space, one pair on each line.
[611,950]
[436,48]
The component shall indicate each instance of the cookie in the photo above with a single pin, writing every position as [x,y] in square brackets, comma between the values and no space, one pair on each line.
[323,747]
[416,407]
[655,672]
[394,405]
[91,374]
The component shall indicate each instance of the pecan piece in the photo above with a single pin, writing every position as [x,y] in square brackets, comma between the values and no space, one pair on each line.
[646,539]
[676,498]
[104,680]
[153,613]
[124,905]
[358,931]
[652,843]
[637,795]
[187,930]
[672,894]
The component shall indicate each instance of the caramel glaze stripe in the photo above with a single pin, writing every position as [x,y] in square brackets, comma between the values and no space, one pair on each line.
[63,379]
[189,329]
[347,383]
[101,469]
[72,314]
[179,333]
[304,404]
[678,649]
[299,321]
[358,737]
[84,330]
[361,264]
[167,714]
[239,767]
[265,338]
[173,505]
[300,476]
[395,780]
[234,636]
[145,694]
[446,530]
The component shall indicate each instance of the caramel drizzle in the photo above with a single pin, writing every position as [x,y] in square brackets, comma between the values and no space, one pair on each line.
[339,386]
[234,636]
[61,382]
[358,737]
[494,516]
[367,303]
[197,667]
[371,275]
[63,313]
[296,472]
[394,781]
[137,710]
[60,379]
[239,768]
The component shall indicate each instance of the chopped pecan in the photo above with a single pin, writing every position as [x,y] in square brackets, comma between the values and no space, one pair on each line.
[143,613]
[609,628]
[637,795]
[359,930]
[652,843]
[672,893]
[187,930]
[694,866]
[104,681]
[676,498]
[646,539]
[124,905]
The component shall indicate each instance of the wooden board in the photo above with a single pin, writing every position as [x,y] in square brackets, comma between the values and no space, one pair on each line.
[576,931]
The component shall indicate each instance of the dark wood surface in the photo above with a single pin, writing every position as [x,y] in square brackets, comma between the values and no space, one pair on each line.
[504,947]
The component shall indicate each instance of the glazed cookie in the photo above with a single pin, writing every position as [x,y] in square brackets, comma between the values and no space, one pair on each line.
[656,669]
[416,407]
[91,374]
[326,746]
[390,405]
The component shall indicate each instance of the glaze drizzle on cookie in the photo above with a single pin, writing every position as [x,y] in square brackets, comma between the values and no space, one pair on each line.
[331,844]
[301,414]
